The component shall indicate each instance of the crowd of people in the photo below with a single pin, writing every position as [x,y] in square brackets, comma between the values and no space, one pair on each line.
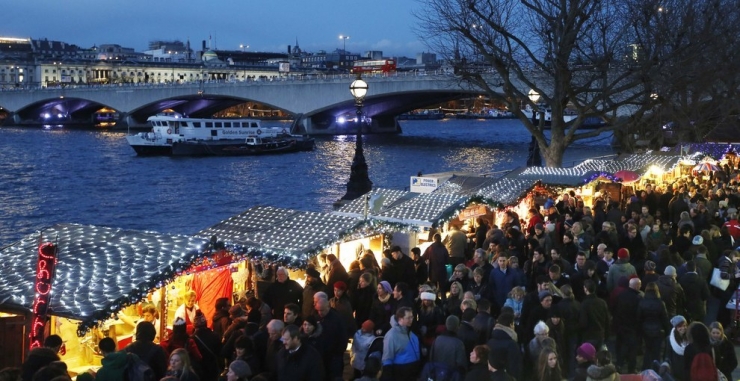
[570,291]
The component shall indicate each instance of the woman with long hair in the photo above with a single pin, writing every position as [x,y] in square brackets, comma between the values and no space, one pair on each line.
[603,370]
[181,340]
[676,345]
[452,305]
[699,342]
[724,351]
[548,366]
[362,297]
[180,367]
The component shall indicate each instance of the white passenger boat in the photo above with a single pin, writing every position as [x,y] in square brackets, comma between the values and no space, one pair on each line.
[170,128]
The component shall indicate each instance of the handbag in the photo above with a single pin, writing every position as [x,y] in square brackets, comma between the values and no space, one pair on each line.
[717,280]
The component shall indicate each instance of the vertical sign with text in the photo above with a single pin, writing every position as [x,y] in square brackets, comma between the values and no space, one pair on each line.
[44,276]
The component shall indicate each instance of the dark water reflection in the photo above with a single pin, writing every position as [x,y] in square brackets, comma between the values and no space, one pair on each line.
[54,176]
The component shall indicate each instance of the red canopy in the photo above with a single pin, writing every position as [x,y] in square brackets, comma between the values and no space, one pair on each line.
[627,176]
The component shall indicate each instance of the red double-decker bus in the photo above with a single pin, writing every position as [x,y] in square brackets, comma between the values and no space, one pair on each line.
[374,66]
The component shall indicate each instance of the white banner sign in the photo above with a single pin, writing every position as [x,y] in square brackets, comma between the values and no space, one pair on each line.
[423,184]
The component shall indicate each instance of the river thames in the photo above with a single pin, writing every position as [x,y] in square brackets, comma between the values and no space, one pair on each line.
[91,177]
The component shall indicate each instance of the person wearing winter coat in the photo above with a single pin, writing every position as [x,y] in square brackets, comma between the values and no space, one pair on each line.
[361,342]
[504,340]
[724,350]
[696,293]
[41,357]
[448,349]
[671,292]
[653,318]
[676,345]
[114,363]
[622,267]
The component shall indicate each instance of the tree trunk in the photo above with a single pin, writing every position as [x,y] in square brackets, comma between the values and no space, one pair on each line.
[553,154]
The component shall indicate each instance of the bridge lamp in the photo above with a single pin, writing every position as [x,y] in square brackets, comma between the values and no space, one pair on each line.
[344,39]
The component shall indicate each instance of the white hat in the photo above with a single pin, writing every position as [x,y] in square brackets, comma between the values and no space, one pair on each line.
[428,296]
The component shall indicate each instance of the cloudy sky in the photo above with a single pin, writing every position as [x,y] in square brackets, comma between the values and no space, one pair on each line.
[264,25]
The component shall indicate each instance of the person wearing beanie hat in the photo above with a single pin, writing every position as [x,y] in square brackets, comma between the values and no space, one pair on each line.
[623,254]
[649,266]
[621,268]
[361,342]
[670,271]
[539,226]
[313,285]
[698,240]
[239,370]
[585,357]
[671,292]
[677,343]
[448,348]
[339,285]
[386,286]
[200,320]
[586,352]
[678,319]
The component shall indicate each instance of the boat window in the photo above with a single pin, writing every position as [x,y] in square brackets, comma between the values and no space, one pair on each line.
[196,124]
[209,124]
[254,124]
[183,124]
[218,124]
[227,124]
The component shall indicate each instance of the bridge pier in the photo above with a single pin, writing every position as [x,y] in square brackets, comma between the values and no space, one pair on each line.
[126,121]
[13,119]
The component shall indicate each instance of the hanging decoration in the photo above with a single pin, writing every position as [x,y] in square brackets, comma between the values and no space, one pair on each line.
[44,277]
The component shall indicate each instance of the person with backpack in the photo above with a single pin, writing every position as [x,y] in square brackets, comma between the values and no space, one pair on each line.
[114,363]
[147,350]
[699,355]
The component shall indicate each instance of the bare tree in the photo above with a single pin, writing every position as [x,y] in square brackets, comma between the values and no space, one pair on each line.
[595,58]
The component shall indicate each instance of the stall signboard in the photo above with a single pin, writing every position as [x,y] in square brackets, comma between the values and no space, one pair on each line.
[44,276]
[473,211]
[424,184]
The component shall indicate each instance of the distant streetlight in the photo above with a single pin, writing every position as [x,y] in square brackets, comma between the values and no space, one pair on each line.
[243,47]
[359,180]
[344,39]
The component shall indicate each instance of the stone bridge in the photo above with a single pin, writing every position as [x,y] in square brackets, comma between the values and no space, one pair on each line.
[316,103]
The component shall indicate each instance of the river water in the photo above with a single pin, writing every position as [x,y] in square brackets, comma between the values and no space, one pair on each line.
[51,176]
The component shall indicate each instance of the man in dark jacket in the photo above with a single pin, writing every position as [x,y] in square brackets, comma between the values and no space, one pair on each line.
[334,338]
[504,340]
[483,322]
[466,332]
[150,353]
[41,357]
[403,267]
[626,325]
[296,361]
[696,293]
[437,256]
[282,292]
[672,293]
[337,273]
[595,319]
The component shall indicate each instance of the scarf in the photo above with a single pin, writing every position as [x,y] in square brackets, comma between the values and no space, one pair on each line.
[385,298]
[678,348]
[507,330]
[716,342]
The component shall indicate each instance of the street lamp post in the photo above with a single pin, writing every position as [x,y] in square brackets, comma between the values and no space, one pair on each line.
[344,39]
[359,180]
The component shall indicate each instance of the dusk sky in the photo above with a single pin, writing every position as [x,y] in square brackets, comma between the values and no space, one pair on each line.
[264,25]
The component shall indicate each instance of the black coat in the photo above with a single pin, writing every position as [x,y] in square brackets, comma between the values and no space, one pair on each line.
[362,303]
[696,293]
[305,364]
[37,359]
[277,295]
[483,324]
[653,318]
[478,371]
[209,345]
[595,320]
[501,341]
[335,333]
[625,312]
[672,295]
[152,354]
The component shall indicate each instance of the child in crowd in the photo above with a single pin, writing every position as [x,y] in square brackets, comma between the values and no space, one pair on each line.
[360,345]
